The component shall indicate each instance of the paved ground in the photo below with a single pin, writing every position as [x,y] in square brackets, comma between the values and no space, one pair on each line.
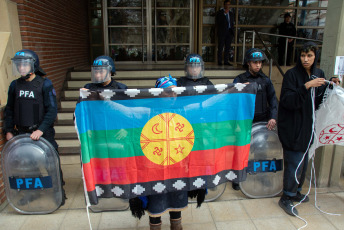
[231,211]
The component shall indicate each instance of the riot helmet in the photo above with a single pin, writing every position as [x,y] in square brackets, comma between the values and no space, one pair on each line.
[102,69]
[26,62]
[254,54]
[194,66]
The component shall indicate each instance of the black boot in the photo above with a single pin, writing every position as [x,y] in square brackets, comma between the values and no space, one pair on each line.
[235,186]
[286,203]
[299,197]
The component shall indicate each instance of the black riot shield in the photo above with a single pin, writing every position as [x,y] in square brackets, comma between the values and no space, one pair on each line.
[31,175]
[265,166]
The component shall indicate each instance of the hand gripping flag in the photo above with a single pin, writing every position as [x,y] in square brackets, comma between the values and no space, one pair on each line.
[329,120]
[139,142]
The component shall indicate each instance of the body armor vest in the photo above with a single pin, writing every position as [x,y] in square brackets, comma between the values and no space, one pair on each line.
[28,105]
[261,111]
[95,86]
[184,81]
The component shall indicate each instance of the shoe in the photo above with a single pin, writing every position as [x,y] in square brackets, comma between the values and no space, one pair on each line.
[287,205]
[299,197]
[229,64]
[235,186]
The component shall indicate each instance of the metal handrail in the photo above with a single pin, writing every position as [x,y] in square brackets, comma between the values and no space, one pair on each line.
[254,33]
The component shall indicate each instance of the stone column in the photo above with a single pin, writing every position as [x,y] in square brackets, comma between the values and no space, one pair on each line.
[329,159]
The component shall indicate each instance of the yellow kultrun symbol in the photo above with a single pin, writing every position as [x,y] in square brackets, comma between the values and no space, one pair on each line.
[167,139]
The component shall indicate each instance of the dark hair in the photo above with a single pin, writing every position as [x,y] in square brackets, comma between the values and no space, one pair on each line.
[309,46]
[226,1]
[287,15]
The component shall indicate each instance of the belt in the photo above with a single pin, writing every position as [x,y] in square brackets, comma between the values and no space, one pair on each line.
[27,129]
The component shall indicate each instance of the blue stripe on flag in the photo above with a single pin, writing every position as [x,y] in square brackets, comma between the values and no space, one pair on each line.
[124,114]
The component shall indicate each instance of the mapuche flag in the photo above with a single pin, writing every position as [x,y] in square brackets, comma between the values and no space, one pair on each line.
[139,142]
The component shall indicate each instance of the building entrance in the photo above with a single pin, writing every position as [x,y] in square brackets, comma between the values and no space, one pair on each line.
[148,31]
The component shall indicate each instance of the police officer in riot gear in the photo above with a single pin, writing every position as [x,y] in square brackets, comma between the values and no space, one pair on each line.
[103,69]
[194,72]
[266,101]
[31,105]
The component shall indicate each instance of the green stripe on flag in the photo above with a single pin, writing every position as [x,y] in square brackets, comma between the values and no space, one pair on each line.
[126,142]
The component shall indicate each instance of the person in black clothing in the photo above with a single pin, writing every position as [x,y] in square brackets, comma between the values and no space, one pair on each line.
[194,72]
[31,105]
[302,91]
[224,21]
[266,101]
[102,69]
[288,29]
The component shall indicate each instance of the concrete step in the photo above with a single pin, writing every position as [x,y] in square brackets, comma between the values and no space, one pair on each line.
[68,104]
[65,132]
[68,146]
[61,117]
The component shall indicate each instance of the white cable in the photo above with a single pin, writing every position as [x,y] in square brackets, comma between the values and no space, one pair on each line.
[312,170]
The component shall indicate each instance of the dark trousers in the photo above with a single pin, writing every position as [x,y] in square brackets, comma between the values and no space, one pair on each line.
[281,52]
[224,40]
[291,161]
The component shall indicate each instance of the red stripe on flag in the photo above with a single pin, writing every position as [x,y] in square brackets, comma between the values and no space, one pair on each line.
[139,169]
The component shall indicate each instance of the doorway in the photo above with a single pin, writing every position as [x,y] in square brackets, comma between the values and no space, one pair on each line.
[151,31]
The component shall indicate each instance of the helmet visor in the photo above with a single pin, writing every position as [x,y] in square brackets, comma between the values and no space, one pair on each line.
[22,67]
[194,70]
[100,74]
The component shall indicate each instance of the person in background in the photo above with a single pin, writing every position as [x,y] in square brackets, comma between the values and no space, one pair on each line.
[224,21]
[288,29]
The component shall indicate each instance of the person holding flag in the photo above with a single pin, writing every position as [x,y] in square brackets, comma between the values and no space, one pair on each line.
[157,205]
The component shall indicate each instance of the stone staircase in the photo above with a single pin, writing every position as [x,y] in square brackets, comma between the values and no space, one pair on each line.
[66,136]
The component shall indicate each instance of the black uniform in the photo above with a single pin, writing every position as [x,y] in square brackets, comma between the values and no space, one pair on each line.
[225,34]
[287,29]
[31,105]
[112,85]
[184,81]
[266,101]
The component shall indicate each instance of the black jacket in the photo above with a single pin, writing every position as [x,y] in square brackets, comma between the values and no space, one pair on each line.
[222,23]
[295,113]
[184,81]
[266,101]
[287,29]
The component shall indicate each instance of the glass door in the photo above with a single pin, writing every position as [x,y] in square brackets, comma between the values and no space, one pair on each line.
[148,31]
